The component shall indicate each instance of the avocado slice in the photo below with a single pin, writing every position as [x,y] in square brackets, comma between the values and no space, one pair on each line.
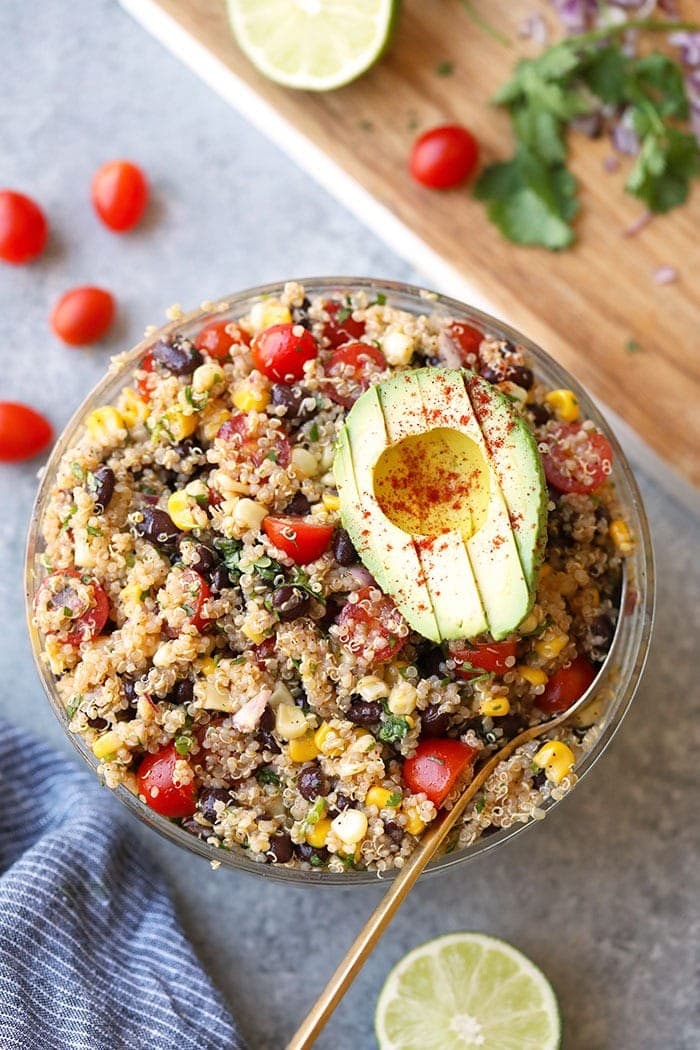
[441,489]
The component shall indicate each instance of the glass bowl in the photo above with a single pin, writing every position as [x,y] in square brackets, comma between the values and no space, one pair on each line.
[618,679]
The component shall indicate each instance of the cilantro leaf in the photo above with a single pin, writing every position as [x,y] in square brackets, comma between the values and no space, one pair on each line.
[393,729]
[663,170]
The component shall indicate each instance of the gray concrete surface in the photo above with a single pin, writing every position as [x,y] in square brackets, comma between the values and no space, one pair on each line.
[603,896]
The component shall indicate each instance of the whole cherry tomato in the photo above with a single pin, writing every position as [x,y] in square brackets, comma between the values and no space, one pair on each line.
[82,315]
[158,787]
[436,767]
[342,327]
[23,228]
[492,657]
[577,460]
[217,338]
[444,156]
[280,352]
[119,194]
[302,540]
[372,620]
[567,685]
[23,432]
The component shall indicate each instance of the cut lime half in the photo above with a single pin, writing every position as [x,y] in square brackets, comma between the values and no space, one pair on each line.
[312,44]
[464,991]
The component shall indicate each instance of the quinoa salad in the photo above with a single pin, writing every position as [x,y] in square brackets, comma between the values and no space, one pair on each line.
[240,644]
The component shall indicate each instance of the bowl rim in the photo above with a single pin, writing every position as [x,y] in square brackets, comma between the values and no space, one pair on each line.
[643,584]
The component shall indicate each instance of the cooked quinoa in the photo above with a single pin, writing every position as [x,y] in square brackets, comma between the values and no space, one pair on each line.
[268,705]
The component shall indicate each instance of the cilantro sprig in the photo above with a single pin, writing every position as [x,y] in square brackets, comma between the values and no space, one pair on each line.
[532,197]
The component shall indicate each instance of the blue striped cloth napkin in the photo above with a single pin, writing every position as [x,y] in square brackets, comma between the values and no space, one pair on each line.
[92,956]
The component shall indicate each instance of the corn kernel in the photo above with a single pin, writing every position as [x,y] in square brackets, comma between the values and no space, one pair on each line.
[106,746]
[206,377]
[185,512]
[379,797]
[304,462]
[254,636]
[268,312]
[331,503]
[372,688]
[414,824]
[317,835]
[325,745]
[248,514]
[350,826]
[495,706]
[251,399]
[290,722]
[557,760]
[132,408]
[549,648]
[106,424]
[564,403]
[178,425]
[533,675]
[398,348]
[402,698]
[529,624]
[208,665]
[621,536]
[303,749]
[212,418]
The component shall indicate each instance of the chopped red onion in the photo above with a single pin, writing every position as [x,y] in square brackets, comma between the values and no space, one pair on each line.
[576,15]
[689,45]
[611,163]
[665,275]
[623,136]
[638,224]
[534,28]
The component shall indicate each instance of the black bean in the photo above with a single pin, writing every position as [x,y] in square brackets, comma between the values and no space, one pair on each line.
[312,782]
[538,779]
[491,375]
[298,506]
[490,829]
[182,692]
[129,690]
[343,549]
[157,527]
[511,725]
[602,631]
[290,603]
[433,361]
[520,375]
[433,721]
[602,514]
[364,712]
[220,579]
[334,603]
[267,720]
[281,849]
[507,348]
[98,723]
[180,356]
[195,828]
[206,800]
[101,485]
[343,802]
[429,661]
[394,831]
[315,857]
[477,725]
[268,741]
[204,559]
[300,314]
[292,398]
[540,414]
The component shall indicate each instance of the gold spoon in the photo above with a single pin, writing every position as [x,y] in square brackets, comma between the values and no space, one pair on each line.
[358,952]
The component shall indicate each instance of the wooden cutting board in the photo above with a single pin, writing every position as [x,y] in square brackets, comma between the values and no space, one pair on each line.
[596,308]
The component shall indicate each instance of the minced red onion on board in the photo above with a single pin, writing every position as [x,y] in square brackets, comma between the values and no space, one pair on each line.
[665,275]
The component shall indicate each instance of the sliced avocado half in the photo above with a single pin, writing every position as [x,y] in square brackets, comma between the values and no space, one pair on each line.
[442,491]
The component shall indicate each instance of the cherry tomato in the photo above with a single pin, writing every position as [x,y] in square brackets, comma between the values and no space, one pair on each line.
[119,194]
[23,228]
[197,591]
[578,460]
[143,383]
[567,685]
[280,352]
[82,315]
[23,432]
[486,657]
[357,358]
[343,329]
[436,767]
[158,788]
[444,156]
[83,609]
[301,540]
[372,621]
[217,341]
[241,429]
[468,339]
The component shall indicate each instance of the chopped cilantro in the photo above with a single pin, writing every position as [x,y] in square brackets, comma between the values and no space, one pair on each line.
[184,744]
[316,813]
[273,456]
[92,531]
[66,521]
[343,314]
[394,799]
[392,729]
[480,803]
[316,861]
[313,432]
[445,69]
[633,347]
[73,705]
[267,775]
[231,553]
[67,612]
[130,560]
[78,471]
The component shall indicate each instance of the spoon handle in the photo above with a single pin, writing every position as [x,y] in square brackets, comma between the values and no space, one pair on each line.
[358,952]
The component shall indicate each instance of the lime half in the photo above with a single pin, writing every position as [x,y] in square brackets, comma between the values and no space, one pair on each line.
[463,991]
[312,44]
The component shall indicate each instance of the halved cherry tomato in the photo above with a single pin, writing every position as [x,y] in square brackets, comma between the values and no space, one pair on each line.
[567,685]
[444,156]
[343,329]
[578,460]
[241,429]
[357,359]
[82,315]
[197,591]
[119,194]
[143,383]
[23,228]
[302,540]
[85,612]
[468,339]
[436,767]
[217,341]
[372,619]
[23,432]
[487,656]
[157,787]
[280,352]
